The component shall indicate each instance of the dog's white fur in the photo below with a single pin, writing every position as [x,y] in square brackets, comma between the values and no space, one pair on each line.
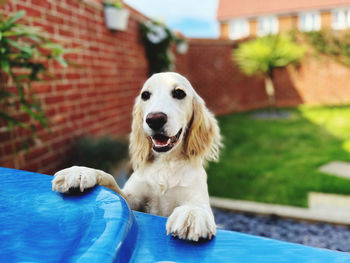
[173,183]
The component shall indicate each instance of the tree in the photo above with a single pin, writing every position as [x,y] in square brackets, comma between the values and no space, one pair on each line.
[262,55]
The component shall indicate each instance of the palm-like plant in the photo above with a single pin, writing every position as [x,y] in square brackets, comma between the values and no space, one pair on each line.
[262,55]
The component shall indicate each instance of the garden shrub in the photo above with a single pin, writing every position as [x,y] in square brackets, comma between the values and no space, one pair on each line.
[99,153]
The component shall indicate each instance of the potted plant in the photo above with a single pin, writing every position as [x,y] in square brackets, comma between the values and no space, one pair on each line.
[181,46]
[116,16]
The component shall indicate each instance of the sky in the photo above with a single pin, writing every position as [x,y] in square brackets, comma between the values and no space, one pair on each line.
[193,18]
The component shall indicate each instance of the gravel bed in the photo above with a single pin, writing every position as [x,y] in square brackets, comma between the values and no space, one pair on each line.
[335,237]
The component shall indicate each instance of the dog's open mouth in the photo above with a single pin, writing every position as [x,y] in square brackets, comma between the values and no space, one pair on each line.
[162,143]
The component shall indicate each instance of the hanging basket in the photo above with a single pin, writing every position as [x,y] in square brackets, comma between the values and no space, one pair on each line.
[116,18]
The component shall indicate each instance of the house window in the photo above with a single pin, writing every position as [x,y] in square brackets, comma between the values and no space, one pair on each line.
[239,28]
[267,25]
[340,19]
[310,21]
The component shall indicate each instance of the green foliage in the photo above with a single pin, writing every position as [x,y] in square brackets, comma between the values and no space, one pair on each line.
[262,55]
[157,39]
[100,153]
[24,54]
[276,161]
[332,44]
[116,3]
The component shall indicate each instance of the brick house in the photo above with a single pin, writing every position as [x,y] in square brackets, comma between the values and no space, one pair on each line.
[241,19]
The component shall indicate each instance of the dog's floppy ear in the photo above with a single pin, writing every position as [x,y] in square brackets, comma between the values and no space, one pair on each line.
[203,134]
[140,146]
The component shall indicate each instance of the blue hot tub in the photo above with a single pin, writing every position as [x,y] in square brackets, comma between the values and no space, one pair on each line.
[38,225]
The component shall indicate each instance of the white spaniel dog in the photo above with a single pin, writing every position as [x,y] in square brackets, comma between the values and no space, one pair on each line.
[173,135]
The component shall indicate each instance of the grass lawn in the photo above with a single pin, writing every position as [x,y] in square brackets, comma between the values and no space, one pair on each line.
[276,161]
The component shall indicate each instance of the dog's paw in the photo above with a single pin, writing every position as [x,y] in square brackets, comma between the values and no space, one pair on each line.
[74,177]
[191,223]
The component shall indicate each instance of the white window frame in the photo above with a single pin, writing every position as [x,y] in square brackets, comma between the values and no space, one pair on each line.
[239,28]
[310,21]
[267,25]
[343,18]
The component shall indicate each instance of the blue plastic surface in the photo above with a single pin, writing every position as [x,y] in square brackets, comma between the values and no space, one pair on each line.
[38,225]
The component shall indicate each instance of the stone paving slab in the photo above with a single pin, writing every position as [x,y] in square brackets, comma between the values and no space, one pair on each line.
[329,202]
[313,215]
[337,168]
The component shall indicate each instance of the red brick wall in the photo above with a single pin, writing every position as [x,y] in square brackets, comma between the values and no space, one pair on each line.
[94,99]
[213,74]
[317,80]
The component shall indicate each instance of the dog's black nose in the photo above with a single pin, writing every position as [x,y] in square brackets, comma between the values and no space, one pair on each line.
[156,120]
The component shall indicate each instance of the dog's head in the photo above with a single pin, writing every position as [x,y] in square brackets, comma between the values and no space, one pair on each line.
[169,117]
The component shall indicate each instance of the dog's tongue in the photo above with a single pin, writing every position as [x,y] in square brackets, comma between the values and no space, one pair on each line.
[160,139]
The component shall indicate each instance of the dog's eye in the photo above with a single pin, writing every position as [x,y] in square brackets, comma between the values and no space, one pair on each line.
[145,95]
[178,94]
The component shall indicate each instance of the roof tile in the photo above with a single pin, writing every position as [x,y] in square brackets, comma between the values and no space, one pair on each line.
[249,8]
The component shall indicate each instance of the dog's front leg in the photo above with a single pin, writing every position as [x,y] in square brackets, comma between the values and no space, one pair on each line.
[191,222]
[82,178]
